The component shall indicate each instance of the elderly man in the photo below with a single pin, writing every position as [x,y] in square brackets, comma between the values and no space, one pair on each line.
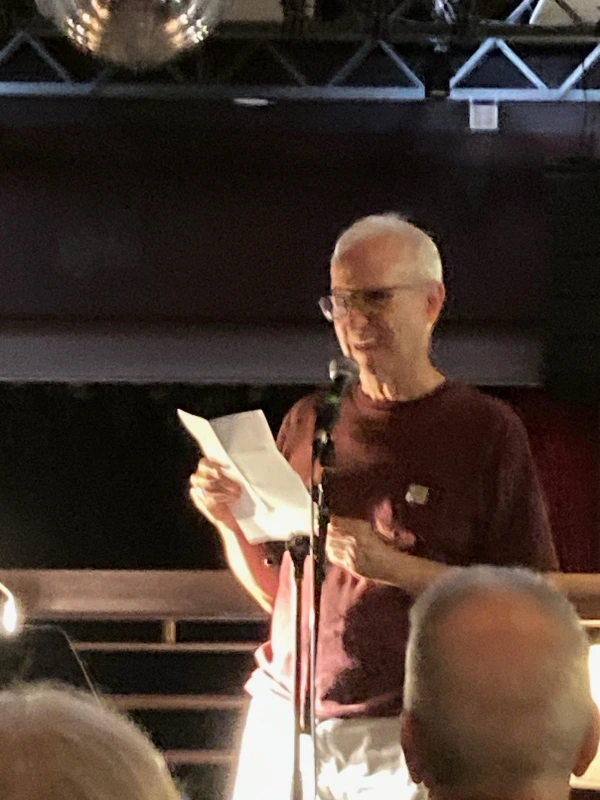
[421,459]
[497,700]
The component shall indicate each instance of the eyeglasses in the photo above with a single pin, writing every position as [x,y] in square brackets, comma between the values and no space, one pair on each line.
[368,301]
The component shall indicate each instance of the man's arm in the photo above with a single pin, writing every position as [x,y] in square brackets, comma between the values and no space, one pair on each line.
[248,562]
[414,575]
[212,493]
[355,546]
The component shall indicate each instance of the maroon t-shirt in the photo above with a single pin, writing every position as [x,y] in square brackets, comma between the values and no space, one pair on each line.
[456,469]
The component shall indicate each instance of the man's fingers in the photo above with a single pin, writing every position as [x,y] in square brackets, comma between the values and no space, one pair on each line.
[219,486]
[208,473]
[339,557]
[341,548]
[385,530]
[405,539]
[214,499]
[337,539]
[358,528]
[216,493]
[209,469]
[213,495]
[210,463]
[210,482]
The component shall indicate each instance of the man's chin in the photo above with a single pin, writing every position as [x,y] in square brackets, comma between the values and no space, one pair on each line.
[367,358]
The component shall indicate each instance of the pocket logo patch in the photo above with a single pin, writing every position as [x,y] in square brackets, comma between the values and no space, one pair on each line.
[417,495]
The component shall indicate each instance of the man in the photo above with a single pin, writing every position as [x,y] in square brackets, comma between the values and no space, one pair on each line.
[497,700]
[62,744]
[422,460]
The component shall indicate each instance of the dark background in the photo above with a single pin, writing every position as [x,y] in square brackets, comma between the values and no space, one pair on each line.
[96,476]
[230,216]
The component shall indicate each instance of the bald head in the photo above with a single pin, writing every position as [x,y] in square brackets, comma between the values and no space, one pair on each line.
[497,682]
[492,640]
[388,242]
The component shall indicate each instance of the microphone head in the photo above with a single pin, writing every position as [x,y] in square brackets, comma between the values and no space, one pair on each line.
[345,368]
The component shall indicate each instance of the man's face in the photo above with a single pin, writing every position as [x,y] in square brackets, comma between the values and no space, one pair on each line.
[388,308]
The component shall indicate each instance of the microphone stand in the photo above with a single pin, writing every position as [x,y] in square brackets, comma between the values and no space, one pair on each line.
[299,548]
[313,547]
[323,455]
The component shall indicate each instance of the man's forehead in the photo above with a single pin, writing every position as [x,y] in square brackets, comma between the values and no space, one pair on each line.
[385,246]
[372,265]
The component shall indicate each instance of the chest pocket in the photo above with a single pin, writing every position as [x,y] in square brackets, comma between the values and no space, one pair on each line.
[443,520]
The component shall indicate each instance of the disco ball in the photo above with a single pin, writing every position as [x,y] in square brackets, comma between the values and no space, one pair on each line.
[138,34]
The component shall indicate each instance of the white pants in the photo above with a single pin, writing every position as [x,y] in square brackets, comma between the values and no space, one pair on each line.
[358,758]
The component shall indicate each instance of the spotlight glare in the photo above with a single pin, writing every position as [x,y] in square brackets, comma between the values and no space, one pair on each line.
[10,616]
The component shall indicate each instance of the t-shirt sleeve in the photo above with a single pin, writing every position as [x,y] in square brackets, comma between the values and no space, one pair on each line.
[283,435]
[515,527]
[294,439]
[293,444]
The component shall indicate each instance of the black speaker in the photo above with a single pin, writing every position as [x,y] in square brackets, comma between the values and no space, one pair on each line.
[572,328]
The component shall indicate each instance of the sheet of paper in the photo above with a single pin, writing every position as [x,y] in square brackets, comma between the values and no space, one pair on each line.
[275,504]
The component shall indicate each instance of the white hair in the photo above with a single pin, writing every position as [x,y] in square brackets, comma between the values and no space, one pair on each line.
[427,256]
[497,734]
[61,744]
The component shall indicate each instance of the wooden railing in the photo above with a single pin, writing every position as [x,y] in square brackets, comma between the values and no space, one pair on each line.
[131,595]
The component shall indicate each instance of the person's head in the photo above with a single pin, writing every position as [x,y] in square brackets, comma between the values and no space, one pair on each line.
[387,293]
[61,744]
[497,699]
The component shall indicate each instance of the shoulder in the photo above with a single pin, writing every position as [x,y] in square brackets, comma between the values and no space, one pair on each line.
[299,422]
[306,406]
[305,409]
[492,423]
[490,413]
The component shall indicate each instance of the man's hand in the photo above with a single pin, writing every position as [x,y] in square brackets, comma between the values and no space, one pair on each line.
[213,492]
[385,524]
[355,546]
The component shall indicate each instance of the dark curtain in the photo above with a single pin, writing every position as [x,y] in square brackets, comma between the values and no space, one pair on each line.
[564,440]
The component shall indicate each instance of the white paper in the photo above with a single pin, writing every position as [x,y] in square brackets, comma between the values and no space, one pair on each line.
[275,505]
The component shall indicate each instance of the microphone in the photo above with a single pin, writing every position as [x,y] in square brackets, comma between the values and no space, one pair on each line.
[343,373]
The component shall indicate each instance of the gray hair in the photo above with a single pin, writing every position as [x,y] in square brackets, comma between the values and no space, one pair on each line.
[57,743]
[427,255]
[524,725]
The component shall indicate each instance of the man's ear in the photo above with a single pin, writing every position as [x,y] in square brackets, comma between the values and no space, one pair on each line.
[436,294]
[409,740]
[590,744]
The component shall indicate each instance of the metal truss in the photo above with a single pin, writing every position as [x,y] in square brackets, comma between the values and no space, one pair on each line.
[403,60]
